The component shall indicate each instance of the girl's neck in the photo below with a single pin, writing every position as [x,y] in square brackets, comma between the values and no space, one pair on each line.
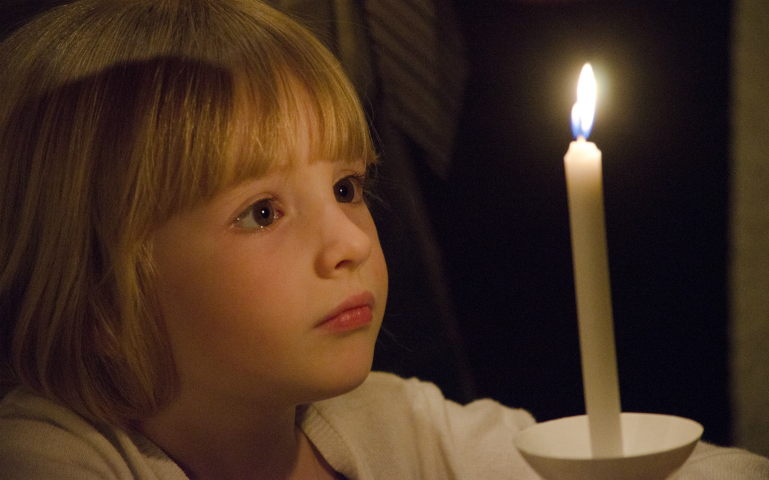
[221,442]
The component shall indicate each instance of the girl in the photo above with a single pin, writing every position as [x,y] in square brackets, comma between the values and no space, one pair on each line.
[191,283]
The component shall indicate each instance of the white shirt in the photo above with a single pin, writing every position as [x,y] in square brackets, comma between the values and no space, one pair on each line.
[388,428]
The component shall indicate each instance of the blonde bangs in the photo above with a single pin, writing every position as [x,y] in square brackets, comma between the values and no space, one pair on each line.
[306,116]
[278,94]
[291,98]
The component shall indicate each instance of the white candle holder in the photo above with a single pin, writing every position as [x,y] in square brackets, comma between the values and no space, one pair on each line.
[654,446]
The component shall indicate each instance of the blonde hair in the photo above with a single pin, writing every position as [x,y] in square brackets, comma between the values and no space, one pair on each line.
[114,116]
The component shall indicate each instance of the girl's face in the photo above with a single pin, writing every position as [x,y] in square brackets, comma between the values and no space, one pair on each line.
[275,290]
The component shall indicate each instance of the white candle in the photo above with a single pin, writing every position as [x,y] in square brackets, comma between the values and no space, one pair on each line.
[591,277]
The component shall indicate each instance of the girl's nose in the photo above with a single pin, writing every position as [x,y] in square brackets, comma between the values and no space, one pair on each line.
[345,243]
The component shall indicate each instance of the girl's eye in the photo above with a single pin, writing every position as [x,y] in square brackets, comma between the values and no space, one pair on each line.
[259,215]
[349,189]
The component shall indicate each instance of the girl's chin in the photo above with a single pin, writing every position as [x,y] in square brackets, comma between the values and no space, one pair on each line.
[340,382]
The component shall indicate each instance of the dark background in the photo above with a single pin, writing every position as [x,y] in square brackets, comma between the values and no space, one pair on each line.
[500,216]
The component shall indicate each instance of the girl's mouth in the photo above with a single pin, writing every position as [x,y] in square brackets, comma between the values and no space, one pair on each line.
[351,314]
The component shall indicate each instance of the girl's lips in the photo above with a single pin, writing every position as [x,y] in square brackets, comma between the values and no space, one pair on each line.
[353,313]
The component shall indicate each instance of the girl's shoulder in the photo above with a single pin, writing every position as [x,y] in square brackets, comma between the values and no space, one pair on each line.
[42,439]
[384,395]
[390,427]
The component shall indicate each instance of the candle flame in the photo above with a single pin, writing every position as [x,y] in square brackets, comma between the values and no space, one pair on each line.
[583,112]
